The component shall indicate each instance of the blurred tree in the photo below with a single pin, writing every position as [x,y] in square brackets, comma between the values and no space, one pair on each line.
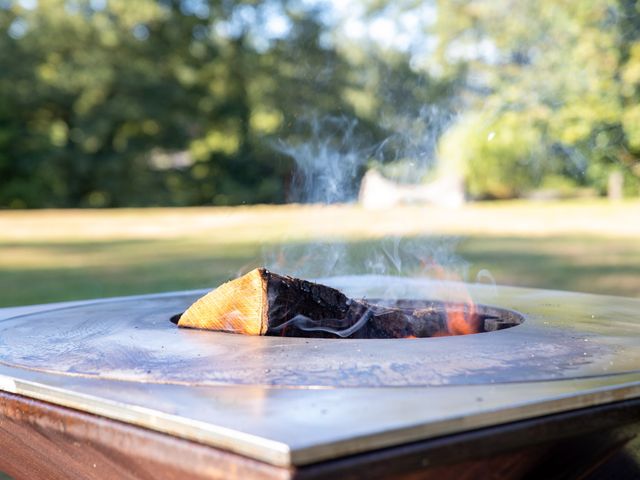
[112,103]
[187,102]
[553,87]
[90,96]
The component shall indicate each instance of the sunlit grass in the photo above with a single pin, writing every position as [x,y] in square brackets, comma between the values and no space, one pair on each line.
[61,255]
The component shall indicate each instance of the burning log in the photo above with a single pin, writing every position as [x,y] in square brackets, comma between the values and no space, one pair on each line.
[265,303]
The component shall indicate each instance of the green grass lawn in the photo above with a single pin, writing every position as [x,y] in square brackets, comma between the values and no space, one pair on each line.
[61,255]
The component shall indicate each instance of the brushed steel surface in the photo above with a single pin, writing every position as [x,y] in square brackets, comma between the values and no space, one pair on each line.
[297,401]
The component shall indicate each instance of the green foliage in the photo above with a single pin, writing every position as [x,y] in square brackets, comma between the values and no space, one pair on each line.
[556,81]
[186,102]
[151,102]
[500,157]
[88,100]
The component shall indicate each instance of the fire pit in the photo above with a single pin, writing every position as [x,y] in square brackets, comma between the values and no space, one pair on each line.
[300,403]
[434,319]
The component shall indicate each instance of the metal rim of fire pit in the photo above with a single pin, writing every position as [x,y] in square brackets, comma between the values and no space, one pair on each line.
[130,340]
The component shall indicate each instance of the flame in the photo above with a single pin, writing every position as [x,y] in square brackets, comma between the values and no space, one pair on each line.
[463,321]
[461,315]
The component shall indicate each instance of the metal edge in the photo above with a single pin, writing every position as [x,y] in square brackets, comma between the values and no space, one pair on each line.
[280,454]
[452,425]
[259,448]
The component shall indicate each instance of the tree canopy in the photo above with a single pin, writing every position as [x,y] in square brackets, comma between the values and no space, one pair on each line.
[195,102]
[551,89]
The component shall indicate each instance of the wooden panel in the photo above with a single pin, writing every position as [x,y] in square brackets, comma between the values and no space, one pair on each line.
[43,441]
[623,464]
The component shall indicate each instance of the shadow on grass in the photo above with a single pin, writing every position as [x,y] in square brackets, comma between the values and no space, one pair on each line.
[71,271]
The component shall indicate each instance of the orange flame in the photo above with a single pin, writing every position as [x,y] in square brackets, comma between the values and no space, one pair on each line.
[463,321]
[461,316]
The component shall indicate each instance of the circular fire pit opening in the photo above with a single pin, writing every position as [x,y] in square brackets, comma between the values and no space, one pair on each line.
[402,318]
[436,319]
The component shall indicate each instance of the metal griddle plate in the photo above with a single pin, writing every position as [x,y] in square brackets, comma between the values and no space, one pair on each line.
[294,401]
